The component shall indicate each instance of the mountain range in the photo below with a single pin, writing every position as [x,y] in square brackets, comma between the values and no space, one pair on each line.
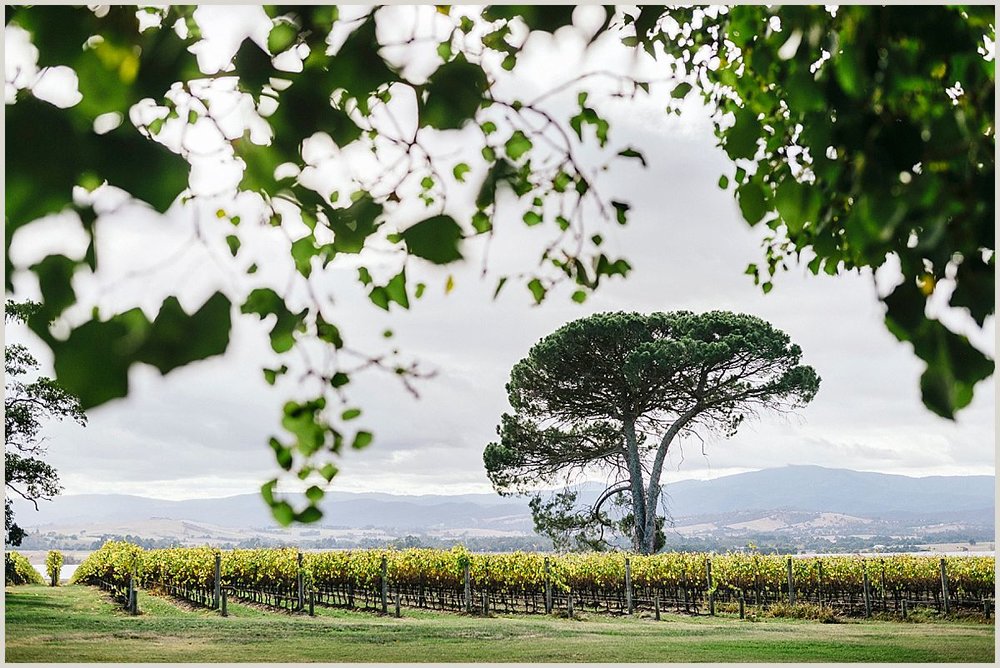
[801,489]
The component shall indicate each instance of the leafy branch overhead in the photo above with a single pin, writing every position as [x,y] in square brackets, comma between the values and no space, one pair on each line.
[150,114]
[859,134]
[856,136]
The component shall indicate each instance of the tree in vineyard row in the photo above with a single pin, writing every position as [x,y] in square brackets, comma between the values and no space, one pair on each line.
[613,392]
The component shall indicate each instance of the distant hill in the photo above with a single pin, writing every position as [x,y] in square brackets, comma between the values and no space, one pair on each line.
[793,488]
[819,489]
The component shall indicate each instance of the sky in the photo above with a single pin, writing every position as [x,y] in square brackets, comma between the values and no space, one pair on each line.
[202,430]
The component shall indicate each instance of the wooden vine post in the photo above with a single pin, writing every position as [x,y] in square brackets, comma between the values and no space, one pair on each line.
[300,584]
[468,589]
[944,587]
[868,591]
[791,583]
[711,594]
[217,589]
[385,585]
[548,588]
[628,586]
[882,583]
[819,566]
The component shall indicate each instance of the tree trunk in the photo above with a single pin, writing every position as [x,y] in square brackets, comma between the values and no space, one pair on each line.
[638,491]
[648,545]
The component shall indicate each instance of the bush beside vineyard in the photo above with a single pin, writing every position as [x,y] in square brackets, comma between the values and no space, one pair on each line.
[734,574]
[53,566]
[18,570]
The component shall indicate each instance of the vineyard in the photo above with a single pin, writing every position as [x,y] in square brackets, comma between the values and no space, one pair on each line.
[18,570]
[460,581]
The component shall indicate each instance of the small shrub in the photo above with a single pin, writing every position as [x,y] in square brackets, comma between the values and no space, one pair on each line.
[53,566]
[812,611]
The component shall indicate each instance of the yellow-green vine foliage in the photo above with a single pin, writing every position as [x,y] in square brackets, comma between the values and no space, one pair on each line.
[18,570]
[53,566]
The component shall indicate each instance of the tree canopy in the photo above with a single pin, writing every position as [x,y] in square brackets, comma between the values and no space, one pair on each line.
[28,403]
[611,393]
[856,135]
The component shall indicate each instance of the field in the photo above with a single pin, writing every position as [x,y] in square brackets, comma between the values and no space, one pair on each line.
[78,623]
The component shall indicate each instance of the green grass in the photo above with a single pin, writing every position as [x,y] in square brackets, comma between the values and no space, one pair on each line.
[76,623]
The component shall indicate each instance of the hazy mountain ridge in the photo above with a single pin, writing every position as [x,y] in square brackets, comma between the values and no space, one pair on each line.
[793,499]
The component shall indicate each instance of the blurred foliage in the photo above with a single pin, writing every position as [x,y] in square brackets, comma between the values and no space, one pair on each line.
[139,68]
[858,133]
[143,97]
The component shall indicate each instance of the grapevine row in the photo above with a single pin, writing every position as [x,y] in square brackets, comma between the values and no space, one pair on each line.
[520,582]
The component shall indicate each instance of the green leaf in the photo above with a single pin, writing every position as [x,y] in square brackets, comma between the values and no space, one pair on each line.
[328,471]
[353,225]
[632,153]
[362,440]
[460,170]
[55,277]
[267,491]
[532,218]
[500,283]
[265,302]
[621,210]
[340,379]
[444,50]
[175,338]
[435,239]
[741,139]
[357,67]
[850,70]
[93,361]
[350,414]
[308,515]
[680,90]
[752,202]
[797,204]
[517,145]
[579,296]
[303,251]
[233,242]
[271,375]
[395,290]
[282,454]
[379,297]
[315,494]
[454,94]
[481,222]
[283,513]
[282,36]
[537,290]
[328,332]
[723,182]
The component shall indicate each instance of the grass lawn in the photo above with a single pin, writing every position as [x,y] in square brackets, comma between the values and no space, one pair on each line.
[76,623]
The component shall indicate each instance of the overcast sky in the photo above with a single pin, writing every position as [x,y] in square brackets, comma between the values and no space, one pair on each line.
[202,430]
